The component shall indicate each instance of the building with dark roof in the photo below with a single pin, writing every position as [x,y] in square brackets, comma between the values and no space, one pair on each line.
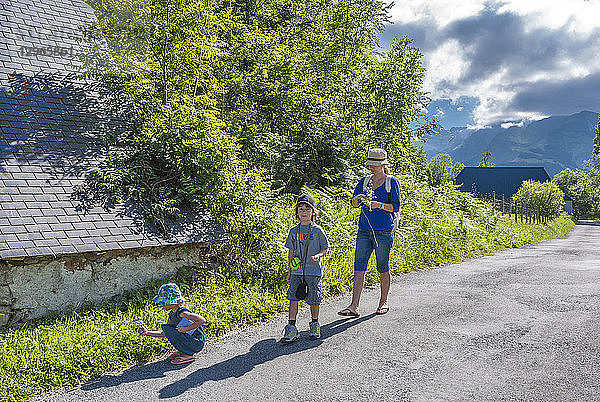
[50,139]
[498,182]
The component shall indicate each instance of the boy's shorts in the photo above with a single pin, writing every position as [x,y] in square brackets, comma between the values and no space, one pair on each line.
[314,289]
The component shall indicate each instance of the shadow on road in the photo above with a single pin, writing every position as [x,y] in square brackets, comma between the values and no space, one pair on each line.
[588,223]
[259,353]
[136,373]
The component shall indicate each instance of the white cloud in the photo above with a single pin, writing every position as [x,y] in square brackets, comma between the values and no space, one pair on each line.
[445,65]
[497,50]
[577,16]
[441,12]
[512,124]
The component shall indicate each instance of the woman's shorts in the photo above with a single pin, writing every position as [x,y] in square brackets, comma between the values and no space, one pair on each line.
[366,241]
[314,289]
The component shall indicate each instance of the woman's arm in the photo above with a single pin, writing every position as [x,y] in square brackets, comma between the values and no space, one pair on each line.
[381,205]
[394,206]
[197,321]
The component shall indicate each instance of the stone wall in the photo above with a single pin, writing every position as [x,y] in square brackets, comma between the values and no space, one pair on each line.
[33,287]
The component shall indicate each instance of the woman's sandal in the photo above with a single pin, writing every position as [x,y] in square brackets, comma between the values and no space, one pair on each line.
[348,313]
[382,310]
[183,359]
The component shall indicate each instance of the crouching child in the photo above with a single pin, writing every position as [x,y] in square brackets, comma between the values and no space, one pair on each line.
[183,328]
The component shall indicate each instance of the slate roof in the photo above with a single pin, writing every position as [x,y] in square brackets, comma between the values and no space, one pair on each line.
[483,181]
[49,141]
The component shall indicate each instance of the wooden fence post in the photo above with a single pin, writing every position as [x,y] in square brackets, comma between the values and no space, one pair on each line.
[521,212]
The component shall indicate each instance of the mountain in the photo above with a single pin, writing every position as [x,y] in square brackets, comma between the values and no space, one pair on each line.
[556,143]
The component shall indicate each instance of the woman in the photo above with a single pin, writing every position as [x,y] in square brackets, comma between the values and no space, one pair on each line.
[378,201]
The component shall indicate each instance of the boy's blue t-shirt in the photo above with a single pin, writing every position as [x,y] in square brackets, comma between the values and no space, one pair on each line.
[378,219]
[318,241]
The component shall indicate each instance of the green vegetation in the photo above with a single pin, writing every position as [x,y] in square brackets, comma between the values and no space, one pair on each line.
[226,93]
[546,197]
[440,169]
[584,185]
[439,225]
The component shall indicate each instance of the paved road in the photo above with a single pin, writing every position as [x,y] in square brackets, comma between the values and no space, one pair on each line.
[521,324]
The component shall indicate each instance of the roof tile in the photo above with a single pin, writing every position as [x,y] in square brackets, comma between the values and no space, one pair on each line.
[38,251]
[13,253]
[82,248]
[64,249]
[47,145]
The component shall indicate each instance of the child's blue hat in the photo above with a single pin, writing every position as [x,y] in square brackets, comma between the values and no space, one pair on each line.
[306,199]
[168,293]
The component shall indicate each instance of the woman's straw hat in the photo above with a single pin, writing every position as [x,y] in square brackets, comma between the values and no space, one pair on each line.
[377,157]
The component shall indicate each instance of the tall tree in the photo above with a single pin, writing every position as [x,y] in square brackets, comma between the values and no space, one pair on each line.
[229,94]
[486,159]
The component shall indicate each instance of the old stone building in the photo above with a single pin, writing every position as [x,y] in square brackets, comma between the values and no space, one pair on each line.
[56,251]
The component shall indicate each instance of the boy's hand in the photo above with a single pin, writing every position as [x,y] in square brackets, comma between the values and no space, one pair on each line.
[142,330]
[183,330]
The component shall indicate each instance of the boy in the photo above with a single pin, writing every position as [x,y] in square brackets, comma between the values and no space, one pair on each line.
[307,245]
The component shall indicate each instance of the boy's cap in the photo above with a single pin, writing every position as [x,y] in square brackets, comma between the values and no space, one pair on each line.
[168,293]
[377,157]
[306,199]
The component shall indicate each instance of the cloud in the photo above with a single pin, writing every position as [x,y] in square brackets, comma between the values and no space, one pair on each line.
[512,124]
[521,59]
[560,97]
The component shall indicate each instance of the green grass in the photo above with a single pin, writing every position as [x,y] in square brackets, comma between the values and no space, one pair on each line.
[439,226]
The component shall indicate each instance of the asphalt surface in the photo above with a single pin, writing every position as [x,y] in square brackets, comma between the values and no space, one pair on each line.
[521,324]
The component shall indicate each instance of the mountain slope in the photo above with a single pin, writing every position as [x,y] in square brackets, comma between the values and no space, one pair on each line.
[557,143]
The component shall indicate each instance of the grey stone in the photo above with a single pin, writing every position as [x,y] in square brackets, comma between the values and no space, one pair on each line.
[5,315]
[6,298]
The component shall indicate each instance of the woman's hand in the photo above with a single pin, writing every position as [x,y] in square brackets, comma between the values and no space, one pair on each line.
[316,257]
[360,200]
[287,278]
[183,330]
[375,204]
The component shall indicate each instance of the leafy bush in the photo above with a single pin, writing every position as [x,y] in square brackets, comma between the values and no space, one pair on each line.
[584,188]
[440,169]
[584,185]
[548,197]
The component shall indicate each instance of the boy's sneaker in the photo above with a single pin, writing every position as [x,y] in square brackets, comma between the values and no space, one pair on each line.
[315,330]
[290,334]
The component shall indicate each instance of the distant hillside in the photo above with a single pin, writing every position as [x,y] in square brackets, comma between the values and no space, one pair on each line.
[556,143]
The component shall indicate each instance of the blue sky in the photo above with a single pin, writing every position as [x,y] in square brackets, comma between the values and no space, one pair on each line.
[503,61]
